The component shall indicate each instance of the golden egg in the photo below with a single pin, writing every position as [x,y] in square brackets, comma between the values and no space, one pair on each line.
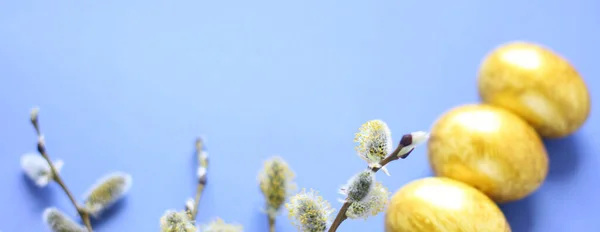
[538,85]
[490,149]
[438,204]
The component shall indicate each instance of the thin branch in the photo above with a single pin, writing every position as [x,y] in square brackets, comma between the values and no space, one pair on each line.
[405,142]
[85,217]
[202,167]
[391,158]
[199,191]
[341,217]
[271,224]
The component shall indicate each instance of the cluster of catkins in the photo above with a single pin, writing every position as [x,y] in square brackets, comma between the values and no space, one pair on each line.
[102,195]
[110,189]
[185,220]
[180,221]
[366,196]
[42,171]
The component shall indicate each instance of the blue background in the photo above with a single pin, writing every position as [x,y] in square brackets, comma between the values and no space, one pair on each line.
[128,85]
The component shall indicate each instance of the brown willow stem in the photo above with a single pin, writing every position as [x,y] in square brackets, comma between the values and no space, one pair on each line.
[341,217]
[199,191]
[202,164]
[404,142]
[85,217]
[271,224]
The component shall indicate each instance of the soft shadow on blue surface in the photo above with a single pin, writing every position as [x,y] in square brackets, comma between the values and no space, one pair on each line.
[564,155]
[520,214]
[564,158]
[114,211]
[40,197]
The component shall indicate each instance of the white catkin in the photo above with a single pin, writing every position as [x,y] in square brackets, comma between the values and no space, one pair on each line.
[59,222]
[359,186]
[375,203]
[189,204]
[173,221]
[309,212]
[276,184]
[106,192]
[37,168]
[201,172]
[374,140]
[219,225]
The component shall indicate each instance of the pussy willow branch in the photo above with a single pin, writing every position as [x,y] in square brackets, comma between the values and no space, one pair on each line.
[202,163]
[85,217]
[271,224]
[404,142]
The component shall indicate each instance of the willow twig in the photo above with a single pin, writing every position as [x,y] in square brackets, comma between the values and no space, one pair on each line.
[271,224]
[395,155]
[202,166]
[199,191]
[85,217]
[341,217]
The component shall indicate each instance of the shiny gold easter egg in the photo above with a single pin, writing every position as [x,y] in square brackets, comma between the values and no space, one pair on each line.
[537,84]
[490,149]
[439,204]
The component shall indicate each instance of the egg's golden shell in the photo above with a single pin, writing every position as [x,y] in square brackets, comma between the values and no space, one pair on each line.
[490,149]
[538,85]
[438,204]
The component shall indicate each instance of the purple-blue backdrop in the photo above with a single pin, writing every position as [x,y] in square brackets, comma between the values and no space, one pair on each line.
[128,85]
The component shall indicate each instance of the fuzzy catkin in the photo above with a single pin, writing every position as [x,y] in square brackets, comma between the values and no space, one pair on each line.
[107,191]
[375,203]
[360,186]
[275,184]
[374,140]
[57,221]
[309,212]
[173,221]
[190,204]
[219,225]
[374,143]
[37,168]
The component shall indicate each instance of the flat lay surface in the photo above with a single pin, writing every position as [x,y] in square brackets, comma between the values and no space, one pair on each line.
[129,85]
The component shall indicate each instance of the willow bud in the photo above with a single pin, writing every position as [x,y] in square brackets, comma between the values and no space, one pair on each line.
[359,186]
[276,184]
[309,212]
[57,221]
[173,221]
[106,192]
[374,140]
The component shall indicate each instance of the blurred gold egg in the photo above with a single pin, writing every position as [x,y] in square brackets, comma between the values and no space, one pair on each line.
[538,85]
[438,204]
[490,149]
